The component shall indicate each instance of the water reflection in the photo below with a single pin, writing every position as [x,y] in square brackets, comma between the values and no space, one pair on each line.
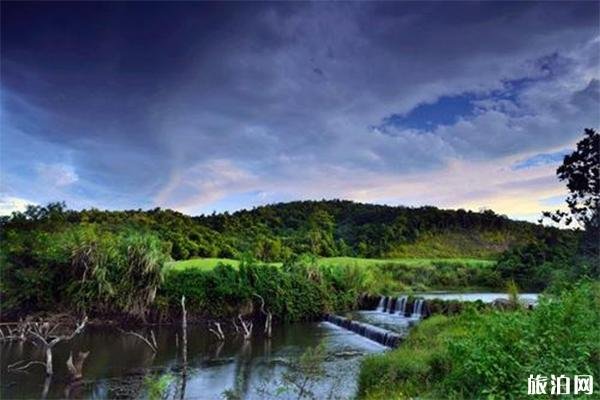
[119,364]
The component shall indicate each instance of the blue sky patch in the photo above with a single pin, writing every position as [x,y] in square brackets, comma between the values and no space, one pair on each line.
[426,117]
[541,159]
[553,201]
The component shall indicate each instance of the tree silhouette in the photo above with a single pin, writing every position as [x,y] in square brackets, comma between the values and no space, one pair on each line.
[581,171]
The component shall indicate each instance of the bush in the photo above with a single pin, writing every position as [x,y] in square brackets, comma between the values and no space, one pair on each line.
[551,259]
[79,268]
[300,290]
[397,277]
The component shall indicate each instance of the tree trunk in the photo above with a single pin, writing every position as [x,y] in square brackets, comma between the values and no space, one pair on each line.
[75,367]
[184,330]
[268,325]
[184,344]
[49,360]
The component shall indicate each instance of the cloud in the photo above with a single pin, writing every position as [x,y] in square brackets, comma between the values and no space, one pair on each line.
[8,204]
[232,100]
[57,175]
[203,184]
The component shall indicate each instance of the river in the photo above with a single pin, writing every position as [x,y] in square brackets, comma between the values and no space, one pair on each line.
[119,365]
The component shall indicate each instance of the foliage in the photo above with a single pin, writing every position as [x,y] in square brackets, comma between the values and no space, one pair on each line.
[107,262]
[157,386]
[83,267]
[140,273]
[559,258]
[552,259]
[390,278]
[274,233]
[305,287]
[491,354]
[298,290]
[210,263]
[581,172]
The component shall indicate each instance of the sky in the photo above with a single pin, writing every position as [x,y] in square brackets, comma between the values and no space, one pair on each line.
[204,107]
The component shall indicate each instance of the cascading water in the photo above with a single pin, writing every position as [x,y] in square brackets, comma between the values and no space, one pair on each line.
[401,305]
[391,305]
[418,308]
[382,304]
[375,333]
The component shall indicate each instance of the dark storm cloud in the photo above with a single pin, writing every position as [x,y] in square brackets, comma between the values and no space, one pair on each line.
[182,104]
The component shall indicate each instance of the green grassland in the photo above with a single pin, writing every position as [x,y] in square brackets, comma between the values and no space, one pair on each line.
[210,263]
[200,263]
[456,245]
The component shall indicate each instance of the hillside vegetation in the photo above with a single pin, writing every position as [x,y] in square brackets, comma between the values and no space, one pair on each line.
[210,263]
[114,260]
[323,228]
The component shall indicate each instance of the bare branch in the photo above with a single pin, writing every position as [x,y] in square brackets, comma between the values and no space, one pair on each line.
[218,332]
[247,327]
[15,367]
[268,315]
[76,332]
[142,338]
[153,339]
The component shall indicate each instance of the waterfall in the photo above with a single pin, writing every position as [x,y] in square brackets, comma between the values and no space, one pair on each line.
[375,333]
[401,305]
[382,304]
[418,308]
[390,305]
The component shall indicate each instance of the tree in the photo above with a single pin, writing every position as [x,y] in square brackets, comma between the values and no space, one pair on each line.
[319,233]
[581,171]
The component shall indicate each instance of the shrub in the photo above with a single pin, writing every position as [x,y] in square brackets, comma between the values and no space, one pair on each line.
[84,267]
[299,290]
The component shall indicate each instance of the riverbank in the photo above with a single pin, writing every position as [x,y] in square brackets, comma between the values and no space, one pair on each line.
[443,347]
[478,353]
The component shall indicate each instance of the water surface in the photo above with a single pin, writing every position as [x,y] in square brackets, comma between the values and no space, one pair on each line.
[530,298]
[118,365]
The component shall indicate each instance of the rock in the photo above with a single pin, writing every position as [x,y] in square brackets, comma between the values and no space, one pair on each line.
[502,304]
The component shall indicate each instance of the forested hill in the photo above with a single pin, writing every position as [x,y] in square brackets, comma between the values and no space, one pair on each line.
[325,228]
[339,227]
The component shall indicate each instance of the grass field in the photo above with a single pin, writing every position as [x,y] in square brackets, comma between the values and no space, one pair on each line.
[209,263]
[417,262]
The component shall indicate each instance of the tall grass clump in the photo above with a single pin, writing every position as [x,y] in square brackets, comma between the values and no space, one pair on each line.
[298,290]
[85,268]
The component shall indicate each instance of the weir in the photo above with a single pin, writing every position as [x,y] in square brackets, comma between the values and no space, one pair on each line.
[379,335]
[398,306]
[401,305]
[418,309]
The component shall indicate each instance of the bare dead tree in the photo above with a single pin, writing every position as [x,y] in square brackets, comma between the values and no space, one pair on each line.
[246,327]
[218,332]
[75,367]
[268,316]
[184,343]
[184,329]
[14,331]
[235,326]
[43,334]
